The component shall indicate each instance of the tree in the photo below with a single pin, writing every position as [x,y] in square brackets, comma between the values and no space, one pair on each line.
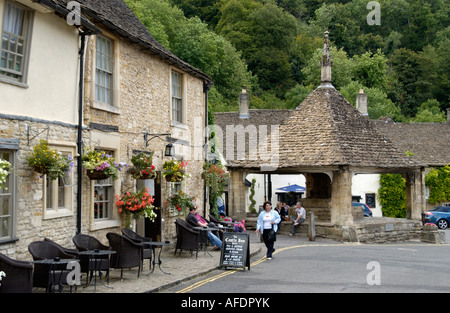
[370,70]
[252,208]
[429,112]
[263,33]
[392,195]
[206,10]
[439,182]
[192,41]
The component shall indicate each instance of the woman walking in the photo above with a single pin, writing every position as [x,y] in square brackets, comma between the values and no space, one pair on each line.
[268,219]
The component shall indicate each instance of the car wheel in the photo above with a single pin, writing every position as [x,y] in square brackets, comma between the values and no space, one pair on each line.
[442,224]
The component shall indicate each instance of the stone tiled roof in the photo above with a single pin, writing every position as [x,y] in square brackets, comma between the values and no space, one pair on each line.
[117,17]
[429,142]
[325,130]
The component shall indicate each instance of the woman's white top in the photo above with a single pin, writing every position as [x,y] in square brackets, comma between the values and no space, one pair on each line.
[267,219]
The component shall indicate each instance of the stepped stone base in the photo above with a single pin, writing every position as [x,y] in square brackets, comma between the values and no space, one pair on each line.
[364,230]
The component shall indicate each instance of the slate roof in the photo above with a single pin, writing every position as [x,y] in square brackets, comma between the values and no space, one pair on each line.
[325,130]
[117,17]
[430,142]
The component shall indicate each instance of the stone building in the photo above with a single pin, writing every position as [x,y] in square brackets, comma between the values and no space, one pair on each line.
[328,141]
[39,100]
[138,103]
[135,96]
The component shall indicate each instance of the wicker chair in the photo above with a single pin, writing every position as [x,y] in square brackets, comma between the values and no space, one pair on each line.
[128,253]
[146,252]
[187,237]
[202,234]
[73,252]
[88,265]
[42,276]
[19,275]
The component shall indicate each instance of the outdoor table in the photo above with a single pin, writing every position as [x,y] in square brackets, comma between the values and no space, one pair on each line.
[207,239]
[153,245]
[95,254]
[53,263]
[229,225]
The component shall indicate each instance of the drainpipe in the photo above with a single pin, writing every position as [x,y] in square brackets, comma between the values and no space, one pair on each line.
[206,87]
[80,131]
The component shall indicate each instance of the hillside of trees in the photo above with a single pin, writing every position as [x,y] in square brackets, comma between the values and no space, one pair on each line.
[274,48]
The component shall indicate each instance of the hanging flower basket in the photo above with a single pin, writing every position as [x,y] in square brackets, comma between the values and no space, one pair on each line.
[173,178]
[136,205]
[49,162]
[95,175]
[100,165]
[142,166]
[174,171]
[180,202]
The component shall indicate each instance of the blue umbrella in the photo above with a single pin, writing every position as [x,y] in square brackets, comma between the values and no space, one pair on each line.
[292,188]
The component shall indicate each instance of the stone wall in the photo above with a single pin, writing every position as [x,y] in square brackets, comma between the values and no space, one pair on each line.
[32,222]
[143,83]
[144,105]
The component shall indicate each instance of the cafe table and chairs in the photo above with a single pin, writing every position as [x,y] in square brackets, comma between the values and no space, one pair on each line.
[59,273]
[96,257]
[205,230]
[153,245]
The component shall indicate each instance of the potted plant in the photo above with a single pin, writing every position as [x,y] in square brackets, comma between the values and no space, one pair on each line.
[100,165]
[142,166]
[136,205]
[179,202]
[174,171]
[48,161]
[4,172]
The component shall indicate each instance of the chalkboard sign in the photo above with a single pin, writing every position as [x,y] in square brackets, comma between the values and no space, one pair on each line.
[370,200]
[235,250]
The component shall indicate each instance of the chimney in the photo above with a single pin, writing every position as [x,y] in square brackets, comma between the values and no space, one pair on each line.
[326,63]
[244,104]
[361,102]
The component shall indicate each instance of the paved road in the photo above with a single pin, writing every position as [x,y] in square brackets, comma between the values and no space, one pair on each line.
[323,266]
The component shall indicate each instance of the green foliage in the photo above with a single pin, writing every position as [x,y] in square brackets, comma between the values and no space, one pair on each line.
[273,47]
[192,41]
[392,195]
[438,180]
[215,178]
[252,207]
[49,161]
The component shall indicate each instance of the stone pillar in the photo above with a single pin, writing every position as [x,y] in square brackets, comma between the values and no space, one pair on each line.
[341,197]
[236,195]
[415,194]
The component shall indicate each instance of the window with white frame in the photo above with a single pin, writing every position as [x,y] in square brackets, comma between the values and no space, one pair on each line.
[103,197]
[59,192]
[7,199]
[104,68]
[177,97]
[15,38]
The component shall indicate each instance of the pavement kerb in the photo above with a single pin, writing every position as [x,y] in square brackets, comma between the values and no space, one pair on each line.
[253,253]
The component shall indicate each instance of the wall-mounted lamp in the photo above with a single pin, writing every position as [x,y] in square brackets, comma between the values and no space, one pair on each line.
[170,149]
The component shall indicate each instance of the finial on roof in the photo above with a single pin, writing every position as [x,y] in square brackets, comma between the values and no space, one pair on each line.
[326,62]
